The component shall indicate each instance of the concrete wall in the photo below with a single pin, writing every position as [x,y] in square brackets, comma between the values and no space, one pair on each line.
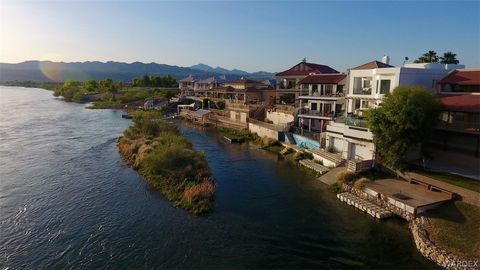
[263,131]
[342,137]
[280,118]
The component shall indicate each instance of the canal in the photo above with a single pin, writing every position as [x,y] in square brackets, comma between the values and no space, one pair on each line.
[67,200]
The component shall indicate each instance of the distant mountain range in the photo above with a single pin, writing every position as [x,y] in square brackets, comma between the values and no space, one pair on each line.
[48,71]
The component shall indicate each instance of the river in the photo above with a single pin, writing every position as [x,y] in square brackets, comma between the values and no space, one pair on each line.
[68,201]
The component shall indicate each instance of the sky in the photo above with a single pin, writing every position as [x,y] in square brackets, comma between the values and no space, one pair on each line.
[248,35]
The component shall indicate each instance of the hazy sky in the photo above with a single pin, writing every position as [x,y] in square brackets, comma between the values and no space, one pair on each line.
[249,35]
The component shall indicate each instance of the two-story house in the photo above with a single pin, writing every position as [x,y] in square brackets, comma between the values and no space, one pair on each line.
[288,81]
[456,140]
[323,102]
[187,85]
[368,84]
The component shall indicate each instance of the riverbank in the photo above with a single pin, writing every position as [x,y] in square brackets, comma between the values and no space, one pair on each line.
[168,161]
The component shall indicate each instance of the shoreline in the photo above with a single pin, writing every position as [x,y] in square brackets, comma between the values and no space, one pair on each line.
[164,157]
[423,244]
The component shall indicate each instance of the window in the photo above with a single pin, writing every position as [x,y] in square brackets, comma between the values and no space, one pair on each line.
[313,106]
[384,86]
[315,87]
[365,104]
[366,83]
[328,89]
[357,104]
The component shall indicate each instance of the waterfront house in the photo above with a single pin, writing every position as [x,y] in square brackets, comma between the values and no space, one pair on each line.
[187,85]
[323,102]
[367,85]
[456,140]
[288,82]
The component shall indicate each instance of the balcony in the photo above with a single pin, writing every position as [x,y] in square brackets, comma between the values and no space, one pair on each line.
[362,91]
[460,126]
[356,122]
[317,95]
[317,114]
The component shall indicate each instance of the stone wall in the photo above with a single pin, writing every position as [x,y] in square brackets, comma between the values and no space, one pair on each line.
[419,227]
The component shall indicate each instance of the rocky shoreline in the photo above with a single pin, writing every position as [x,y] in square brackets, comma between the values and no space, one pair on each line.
[420,227]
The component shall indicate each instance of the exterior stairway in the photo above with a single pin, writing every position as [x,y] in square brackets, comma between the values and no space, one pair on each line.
[289,138]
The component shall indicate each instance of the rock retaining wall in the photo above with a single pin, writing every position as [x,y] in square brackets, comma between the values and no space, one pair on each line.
[419,227]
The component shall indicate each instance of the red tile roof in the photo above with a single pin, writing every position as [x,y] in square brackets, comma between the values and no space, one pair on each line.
[305,69]
[462,77]
[323,79]
[461,103]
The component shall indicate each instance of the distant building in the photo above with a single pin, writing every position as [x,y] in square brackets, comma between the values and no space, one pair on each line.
[187,85]
[288,82]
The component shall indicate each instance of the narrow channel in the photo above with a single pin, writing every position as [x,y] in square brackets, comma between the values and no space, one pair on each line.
[67,200]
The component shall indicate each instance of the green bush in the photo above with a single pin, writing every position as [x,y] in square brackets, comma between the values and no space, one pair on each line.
[345,177]
[336,187]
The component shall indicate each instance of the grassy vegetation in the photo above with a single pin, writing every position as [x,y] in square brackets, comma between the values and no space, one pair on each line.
[237,135]
[168,162]
[270,145]
[449,178]
[455,228]
[336,187]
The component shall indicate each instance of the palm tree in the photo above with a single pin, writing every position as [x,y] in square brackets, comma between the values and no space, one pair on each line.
[449,58]
[428,57]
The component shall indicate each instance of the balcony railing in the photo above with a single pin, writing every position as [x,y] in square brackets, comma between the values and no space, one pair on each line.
[362,91]
[460,126]
[327,95]
[306,111]
[357,122]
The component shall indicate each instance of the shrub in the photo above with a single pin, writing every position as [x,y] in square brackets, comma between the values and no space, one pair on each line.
[359,184]
[345,177]
[336,187]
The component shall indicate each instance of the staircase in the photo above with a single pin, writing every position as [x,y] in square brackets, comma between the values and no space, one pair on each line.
[333,157]
[289,138]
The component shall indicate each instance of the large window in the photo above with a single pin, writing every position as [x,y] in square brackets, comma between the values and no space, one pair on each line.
[384,86]
[313,106]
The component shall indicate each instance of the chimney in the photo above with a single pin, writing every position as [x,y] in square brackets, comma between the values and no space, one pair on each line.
[304,60]
[386,59]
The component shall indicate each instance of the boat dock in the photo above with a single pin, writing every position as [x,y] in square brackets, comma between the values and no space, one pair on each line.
[364,205]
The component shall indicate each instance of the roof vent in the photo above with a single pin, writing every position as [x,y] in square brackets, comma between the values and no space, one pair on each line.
[304,60]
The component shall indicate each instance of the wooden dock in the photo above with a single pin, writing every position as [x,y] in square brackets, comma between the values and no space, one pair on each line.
[364,205]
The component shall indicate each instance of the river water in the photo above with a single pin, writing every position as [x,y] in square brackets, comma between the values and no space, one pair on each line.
[68,201]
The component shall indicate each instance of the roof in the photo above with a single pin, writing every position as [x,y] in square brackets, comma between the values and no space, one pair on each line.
[461,103]
[200,113]
[243,80]
[207,80]
[372,65]
[323,79]
[190,78]
[305,69]
[462,77]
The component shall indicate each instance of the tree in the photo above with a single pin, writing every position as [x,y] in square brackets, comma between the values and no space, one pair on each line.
[449,58]
[428,57]
[404,120]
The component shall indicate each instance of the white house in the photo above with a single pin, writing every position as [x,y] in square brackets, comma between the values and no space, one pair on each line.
[368,84]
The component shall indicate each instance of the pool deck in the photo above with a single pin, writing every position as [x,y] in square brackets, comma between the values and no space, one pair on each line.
[416,196]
